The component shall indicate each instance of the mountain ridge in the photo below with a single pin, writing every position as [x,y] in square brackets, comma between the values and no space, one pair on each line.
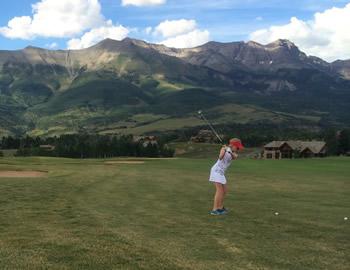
[247,55]
[274,44]
[264,56]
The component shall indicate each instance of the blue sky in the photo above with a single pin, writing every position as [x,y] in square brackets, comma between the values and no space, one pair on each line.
[224,20]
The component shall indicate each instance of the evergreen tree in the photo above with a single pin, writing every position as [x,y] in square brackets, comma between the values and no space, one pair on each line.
[330,137]
[344,142]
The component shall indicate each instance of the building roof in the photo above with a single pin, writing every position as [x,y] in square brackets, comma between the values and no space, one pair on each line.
[314,146]
[275,144]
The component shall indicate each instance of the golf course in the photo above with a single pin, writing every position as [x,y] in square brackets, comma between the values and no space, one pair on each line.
[153,214]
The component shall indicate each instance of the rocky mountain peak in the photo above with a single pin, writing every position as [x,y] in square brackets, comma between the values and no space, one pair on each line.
[254,44]
[33,48]
[106,44]
[282,43]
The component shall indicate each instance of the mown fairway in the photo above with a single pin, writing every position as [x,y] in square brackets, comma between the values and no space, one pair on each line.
[90,215]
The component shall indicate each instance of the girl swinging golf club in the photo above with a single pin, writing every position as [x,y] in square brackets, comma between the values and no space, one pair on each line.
[217,174]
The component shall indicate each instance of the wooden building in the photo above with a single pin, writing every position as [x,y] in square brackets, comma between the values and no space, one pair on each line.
[146,140]
[47,147]
[294,149]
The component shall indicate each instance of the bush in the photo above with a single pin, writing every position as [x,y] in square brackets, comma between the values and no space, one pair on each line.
[23,152]
[166,151]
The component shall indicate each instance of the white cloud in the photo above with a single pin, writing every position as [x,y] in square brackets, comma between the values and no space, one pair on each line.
[148,30]
[52,18]
[52,45]
[181,33]
[97,34]
[188,40]
[326,35]
[18,27]
[140,3]
[175,27]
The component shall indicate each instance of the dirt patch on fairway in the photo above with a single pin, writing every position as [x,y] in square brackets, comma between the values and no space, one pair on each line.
[230,247]
[22,174]
[125,162]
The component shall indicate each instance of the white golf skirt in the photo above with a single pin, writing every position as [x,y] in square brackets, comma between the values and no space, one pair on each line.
[217,176]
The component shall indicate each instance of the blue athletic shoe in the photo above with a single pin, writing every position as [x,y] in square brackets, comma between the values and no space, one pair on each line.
[223,210]
[216,212]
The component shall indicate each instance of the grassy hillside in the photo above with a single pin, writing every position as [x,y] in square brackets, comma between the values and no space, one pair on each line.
[87,214]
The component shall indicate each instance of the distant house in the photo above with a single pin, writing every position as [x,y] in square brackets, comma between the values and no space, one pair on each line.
[292,149]
[146,140]
[47,147]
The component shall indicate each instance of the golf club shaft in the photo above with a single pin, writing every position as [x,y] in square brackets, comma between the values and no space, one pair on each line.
[211,127]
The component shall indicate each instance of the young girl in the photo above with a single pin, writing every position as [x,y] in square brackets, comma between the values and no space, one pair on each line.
[217,174]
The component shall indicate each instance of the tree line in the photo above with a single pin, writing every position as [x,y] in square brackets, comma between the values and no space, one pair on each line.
[101,146]
[338,141]
[257,135]
[254,134]
[87,146]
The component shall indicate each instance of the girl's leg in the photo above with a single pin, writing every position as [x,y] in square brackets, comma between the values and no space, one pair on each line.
[224,188]
[219,194]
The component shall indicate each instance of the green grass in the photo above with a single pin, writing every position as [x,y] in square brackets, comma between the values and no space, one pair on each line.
[89,215]
[9,152]
[163,125]
[246,113]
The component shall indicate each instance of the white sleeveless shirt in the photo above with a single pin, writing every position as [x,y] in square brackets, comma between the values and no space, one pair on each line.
[221,165]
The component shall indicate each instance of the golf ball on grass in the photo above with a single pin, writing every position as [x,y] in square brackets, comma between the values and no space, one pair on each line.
[345,218]
[276,213]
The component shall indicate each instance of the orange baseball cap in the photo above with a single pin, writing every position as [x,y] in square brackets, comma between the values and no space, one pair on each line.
[236,142]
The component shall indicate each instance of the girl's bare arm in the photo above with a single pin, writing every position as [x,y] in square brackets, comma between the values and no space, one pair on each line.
[222,152]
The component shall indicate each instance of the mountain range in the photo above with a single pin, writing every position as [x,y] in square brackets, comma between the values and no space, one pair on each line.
[132,86]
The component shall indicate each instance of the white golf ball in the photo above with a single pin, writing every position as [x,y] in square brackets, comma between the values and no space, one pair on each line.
[276,214]
[346,218]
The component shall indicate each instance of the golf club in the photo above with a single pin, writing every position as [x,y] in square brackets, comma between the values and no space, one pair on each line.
[210,125]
